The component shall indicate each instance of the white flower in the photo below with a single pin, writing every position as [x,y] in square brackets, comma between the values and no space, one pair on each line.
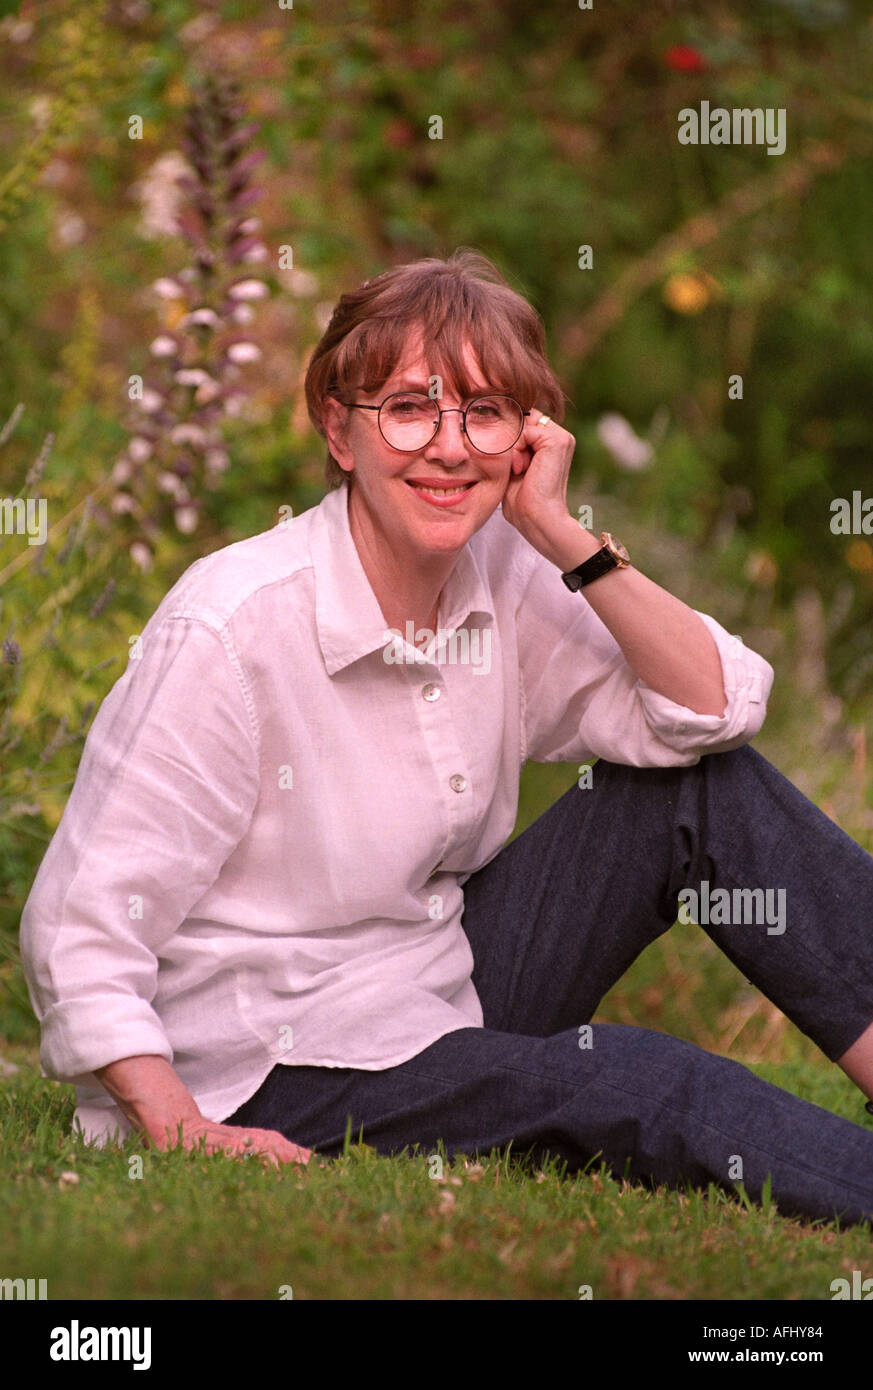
[55,174]
[191,376]
[618,437]
[206,318]
[121,502]
[122,471]
[248,289]
[69,228]
[217,460]
[186,519]
[258,252]
[243,313]
[169,482]
[162,346]
[168,289]
[141,555]
[151,401]
[207,391]
[18,30]
[244,352]
[188,434]
[139,449]
[160,195]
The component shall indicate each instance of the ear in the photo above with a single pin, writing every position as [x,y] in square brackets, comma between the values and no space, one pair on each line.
[337,419]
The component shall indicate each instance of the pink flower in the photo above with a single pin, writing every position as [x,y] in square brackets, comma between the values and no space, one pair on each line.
[243,352]
[123,471]
[141,555]
[163,346]
[618,437]
[165,288]
[203,318]
[188,434]
[139,449]
[248,289]
[151,401]
[186,519]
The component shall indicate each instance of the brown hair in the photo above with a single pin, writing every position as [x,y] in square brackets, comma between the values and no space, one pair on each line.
[462,298]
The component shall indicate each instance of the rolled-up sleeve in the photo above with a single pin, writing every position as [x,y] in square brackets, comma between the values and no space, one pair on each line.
[581,699]
[166,787]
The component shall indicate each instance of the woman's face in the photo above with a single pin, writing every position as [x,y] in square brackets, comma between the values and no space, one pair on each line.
[393,487]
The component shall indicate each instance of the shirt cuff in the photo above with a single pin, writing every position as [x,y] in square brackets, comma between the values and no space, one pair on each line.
[748,679]
[80,1035]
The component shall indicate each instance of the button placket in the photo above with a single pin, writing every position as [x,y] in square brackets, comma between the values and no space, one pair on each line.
[447,751]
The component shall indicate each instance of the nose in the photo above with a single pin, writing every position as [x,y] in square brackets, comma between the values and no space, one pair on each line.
[449,443]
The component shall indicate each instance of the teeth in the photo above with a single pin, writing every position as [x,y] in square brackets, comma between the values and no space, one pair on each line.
[439,491]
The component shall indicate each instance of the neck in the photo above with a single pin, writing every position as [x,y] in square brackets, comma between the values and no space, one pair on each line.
[407,586]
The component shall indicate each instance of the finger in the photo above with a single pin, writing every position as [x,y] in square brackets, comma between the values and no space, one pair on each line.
[537,421]
[287,1151]
[520,459]
[278,1147]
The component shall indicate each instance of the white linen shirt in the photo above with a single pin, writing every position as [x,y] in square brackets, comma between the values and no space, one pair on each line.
[263,855]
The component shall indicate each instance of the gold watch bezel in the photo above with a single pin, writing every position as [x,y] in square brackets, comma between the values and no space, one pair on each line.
[616,549]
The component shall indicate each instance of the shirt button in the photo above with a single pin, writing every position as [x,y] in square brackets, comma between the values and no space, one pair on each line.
[457,782]
[431,692]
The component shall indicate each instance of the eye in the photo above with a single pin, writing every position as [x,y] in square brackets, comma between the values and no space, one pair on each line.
[409,407]
[487,410]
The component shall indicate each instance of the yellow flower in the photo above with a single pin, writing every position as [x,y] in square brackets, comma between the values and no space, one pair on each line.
[859,556]
[761,568]
[172,312]
[690,293]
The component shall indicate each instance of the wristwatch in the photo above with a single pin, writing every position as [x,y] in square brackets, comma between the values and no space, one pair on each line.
[612,556]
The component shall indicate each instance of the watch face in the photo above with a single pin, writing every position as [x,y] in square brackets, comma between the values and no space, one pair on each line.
[617,548]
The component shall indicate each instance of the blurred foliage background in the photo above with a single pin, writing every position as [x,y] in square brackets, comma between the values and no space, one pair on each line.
[186,188]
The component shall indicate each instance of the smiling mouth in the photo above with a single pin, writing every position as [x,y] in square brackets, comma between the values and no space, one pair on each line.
[454,491]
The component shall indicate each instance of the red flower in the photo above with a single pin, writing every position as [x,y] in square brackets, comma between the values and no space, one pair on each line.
[681,58]
[398,133]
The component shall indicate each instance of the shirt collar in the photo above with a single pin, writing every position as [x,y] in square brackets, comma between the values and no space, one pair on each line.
[349,620]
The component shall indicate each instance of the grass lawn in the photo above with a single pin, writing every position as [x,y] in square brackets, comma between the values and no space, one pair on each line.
[365,1227]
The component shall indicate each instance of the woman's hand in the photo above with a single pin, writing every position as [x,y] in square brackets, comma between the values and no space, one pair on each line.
[158,1104]
[268,1145]
[535,501]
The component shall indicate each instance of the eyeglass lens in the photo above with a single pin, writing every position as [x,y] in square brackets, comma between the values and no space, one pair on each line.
[409,420]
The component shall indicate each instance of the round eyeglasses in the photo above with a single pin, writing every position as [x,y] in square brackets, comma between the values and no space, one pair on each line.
[409,420]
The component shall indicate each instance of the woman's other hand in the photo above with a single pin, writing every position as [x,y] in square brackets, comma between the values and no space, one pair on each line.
[535,501]
[158,1104]
[268,1145]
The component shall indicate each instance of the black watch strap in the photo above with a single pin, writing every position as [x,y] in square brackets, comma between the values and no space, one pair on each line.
[597,565]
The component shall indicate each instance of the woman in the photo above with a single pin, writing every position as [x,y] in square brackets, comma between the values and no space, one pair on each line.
[279,895]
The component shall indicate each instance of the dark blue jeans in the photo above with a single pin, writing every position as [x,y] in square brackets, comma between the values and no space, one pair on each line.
[556,919]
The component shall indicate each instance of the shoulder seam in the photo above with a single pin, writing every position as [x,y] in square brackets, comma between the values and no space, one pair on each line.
[226,640]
